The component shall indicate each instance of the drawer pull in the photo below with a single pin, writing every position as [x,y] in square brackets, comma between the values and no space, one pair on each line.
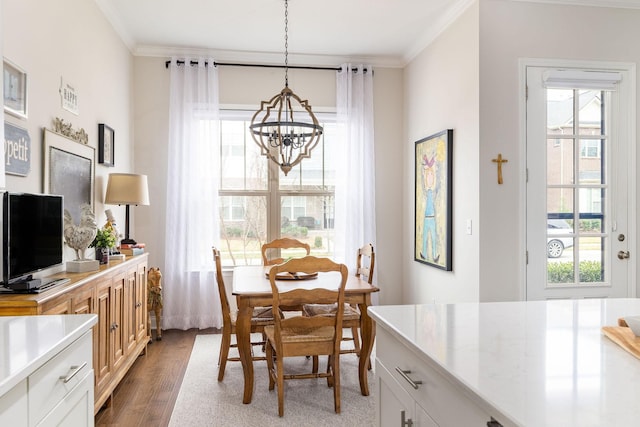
[404,421]
[405,375]
[74,371]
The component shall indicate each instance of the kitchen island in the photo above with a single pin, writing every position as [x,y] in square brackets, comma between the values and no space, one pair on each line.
[536,363]
[46,375]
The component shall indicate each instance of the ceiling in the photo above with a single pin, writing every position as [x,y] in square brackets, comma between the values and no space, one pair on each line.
[380,32]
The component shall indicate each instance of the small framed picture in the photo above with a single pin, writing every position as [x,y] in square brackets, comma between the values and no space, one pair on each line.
[105,145]
[15,90]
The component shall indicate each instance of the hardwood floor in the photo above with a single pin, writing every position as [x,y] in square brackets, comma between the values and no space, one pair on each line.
[146,395]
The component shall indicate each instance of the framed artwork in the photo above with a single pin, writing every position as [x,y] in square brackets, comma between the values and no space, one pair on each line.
[69,170]
[106,154]
[433,184]
[15,90]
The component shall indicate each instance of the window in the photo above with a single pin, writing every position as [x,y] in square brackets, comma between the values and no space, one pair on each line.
[258,203]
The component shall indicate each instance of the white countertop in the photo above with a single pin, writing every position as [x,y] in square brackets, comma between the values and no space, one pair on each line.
[539,363]
[29,341]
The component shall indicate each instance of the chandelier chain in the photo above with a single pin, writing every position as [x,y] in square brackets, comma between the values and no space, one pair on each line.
[286,43]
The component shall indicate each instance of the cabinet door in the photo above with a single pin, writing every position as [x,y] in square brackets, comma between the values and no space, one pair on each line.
[118,307]
[102,343]
[395,406]
[14,409]
[83,301]
[131,310]
[141,303]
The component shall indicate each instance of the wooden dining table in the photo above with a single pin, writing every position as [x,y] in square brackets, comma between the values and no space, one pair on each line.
[251,288]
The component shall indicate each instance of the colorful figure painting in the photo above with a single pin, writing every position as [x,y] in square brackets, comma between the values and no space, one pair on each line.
[433,200]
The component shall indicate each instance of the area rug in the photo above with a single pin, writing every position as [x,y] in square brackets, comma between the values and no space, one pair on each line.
[203,401]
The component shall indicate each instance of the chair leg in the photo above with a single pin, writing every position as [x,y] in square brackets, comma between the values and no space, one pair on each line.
[336,381]
[314,367]
[269,353]
[330,381]
[224,353]
[280,368]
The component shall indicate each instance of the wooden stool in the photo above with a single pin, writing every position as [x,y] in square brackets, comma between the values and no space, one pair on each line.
[154,300]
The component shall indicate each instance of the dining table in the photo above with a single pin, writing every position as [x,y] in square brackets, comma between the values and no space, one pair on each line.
[252,288]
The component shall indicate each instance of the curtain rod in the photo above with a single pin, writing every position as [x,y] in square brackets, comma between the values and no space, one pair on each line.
[235,64]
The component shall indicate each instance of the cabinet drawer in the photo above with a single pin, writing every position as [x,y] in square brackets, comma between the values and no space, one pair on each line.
[445,402]
[75,409]
[47,386]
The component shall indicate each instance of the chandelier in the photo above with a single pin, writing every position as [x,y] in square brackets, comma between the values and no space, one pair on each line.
[285,128]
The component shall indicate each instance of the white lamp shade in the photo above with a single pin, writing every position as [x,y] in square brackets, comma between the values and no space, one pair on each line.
[127,189]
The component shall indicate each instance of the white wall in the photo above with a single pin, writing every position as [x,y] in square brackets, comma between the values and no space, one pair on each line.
[244,86]
[441,92]
[70,39]
[509,31]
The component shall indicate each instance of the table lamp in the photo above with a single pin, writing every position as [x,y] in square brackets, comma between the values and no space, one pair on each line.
[127,189]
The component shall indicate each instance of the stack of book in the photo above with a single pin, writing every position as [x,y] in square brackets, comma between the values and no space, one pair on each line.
[130,249]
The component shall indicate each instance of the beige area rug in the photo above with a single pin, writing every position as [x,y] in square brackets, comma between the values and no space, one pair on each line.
[203,401]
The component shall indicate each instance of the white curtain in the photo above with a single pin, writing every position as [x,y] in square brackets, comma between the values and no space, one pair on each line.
[189,286]
[355,221]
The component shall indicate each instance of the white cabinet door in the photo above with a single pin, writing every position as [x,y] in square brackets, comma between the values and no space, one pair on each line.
[13,406]
[395,406]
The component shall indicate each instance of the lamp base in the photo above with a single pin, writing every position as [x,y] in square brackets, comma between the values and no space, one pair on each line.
[128,242]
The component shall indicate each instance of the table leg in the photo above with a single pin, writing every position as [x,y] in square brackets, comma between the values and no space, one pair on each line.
[243,337]
[368,334]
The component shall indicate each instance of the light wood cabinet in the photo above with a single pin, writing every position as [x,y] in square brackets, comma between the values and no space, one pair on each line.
[117,294]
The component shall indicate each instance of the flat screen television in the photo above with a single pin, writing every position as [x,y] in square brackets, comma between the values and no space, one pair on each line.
[32,235]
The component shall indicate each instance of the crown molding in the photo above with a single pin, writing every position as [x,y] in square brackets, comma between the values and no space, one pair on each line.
[436,28]
[113,18]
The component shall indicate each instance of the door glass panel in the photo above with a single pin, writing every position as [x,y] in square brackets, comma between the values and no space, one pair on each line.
[591,259]
[560,165]
[591,106]
[590,162]
[560,203]
[560,111]
[560,272]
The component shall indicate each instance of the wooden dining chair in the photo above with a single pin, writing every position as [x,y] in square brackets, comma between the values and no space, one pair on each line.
[305,335]
[365,263]
[262,316]
[277,245]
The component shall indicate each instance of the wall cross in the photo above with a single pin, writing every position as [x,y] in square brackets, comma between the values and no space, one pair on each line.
[499,161]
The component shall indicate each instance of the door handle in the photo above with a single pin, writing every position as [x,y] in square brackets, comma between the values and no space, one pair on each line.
[623,254]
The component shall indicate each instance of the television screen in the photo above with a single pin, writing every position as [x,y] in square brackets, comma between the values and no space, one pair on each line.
[33,234]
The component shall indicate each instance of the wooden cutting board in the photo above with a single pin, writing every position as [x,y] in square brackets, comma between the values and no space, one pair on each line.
[624,337]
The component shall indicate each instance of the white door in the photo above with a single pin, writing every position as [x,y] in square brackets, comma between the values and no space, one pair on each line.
[580,182]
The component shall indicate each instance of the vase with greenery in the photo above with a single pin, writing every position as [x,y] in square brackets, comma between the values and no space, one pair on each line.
[103,242]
